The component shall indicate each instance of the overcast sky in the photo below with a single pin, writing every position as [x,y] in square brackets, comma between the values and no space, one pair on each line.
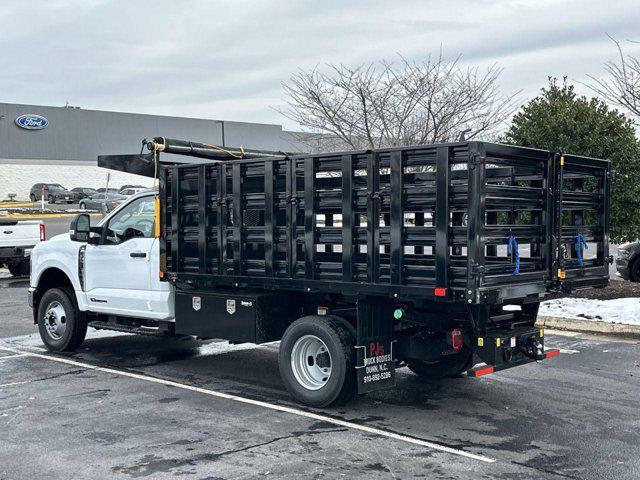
[226,60]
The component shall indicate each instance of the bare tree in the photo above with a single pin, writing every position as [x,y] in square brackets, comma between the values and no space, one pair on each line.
[386,104]
[622,85]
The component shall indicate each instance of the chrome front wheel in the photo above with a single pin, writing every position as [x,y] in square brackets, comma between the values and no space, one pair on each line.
[61,324]
[55,320]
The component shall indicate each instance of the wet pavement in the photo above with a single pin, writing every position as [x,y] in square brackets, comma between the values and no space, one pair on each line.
[181,408]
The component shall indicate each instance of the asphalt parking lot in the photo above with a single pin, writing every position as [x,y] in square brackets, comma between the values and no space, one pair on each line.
[129,407]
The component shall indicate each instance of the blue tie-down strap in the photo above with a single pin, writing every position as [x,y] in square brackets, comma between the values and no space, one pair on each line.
[580,242]
[512,248]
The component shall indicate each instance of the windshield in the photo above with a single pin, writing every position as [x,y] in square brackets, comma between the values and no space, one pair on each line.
[145,208]
[56,186]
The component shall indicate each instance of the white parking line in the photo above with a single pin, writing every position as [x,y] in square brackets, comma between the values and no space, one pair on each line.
[2,385]
[270,406]
[6,357]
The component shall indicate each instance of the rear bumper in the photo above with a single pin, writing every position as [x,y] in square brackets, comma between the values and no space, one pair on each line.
[487,369]
[14,253]
[503,349]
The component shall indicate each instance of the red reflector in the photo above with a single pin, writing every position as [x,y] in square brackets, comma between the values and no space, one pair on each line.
[440,292]
[482,371]
[456,339]
[551,353]
[43,232]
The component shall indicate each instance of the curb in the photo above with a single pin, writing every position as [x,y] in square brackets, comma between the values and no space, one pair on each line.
[588,326]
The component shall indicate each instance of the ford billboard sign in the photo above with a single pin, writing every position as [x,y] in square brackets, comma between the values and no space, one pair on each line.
[31,121]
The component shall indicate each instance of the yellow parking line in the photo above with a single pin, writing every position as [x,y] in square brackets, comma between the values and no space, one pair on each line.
[16,204]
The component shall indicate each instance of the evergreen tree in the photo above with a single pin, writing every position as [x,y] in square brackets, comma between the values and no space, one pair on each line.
[560,119]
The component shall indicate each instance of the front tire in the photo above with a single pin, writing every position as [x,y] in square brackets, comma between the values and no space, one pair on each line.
[446,367]
[317,361]
[51,199]
[61,325]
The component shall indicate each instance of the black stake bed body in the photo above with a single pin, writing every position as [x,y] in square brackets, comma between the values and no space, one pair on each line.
[426,223]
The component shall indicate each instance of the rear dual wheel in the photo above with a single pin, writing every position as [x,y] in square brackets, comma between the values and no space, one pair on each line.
[19,269]
[317,360]
[445,367]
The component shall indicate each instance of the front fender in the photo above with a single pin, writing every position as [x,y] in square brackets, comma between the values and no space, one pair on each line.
[61,254]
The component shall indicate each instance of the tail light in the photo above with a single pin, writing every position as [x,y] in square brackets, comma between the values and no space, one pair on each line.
[456,338]
[481,371]
[43,232]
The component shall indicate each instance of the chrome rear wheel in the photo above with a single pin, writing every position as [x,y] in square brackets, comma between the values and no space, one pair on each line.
[311,362]
[317,360]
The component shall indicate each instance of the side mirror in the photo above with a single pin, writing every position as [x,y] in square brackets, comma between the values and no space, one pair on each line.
[80,228]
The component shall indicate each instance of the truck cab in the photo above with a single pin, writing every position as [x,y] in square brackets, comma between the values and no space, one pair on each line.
[110,276]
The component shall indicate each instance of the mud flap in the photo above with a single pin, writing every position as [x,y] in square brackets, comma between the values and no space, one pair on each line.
[375,365]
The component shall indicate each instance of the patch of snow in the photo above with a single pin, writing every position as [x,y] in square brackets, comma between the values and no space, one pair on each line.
[619,310]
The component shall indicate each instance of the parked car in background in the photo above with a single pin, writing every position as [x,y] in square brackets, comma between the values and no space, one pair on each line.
[17,239]
[84,192]
[102,201]
[111,190]
[124,187]
[38,189]
[132,191]
[628,261]
[62,195]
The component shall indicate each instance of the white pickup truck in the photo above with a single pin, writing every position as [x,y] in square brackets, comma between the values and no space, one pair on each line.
[17,239]
[110,284]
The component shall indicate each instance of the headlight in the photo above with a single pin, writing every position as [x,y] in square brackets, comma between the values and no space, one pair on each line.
[623,253]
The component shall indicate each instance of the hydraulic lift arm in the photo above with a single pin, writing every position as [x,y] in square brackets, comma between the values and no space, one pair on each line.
[143,163]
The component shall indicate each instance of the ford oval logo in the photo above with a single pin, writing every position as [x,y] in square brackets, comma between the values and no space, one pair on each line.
[31,121]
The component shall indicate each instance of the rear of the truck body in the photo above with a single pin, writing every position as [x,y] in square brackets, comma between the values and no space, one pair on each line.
[17,239]
[410,245]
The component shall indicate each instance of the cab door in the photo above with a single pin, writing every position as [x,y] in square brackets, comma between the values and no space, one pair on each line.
[118,270]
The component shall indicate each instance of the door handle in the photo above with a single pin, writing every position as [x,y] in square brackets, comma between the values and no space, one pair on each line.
[138,254]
